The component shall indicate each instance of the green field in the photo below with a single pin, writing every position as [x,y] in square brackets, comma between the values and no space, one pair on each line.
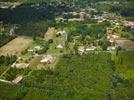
[87,77]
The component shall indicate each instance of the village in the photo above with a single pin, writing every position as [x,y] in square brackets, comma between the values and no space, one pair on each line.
[44,53]
[66,50]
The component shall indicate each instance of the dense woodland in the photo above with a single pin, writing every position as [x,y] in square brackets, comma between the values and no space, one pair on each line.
[5,38]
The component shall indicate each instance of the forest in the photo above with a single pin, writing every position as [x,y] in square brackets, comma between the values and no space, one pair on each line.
[5,38]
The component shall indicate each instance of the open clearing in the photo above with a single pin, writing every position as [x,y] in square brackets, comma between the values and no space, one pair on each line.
[49,34]
[126,44]
[15,46]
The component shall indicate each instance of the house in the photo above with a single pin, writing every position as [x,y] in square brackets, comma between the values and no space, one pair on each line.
[48,59]
[129,24]
[30,50]
[111,48]
[59,20]
[112,38]
[60,46]
[20,65]
[82,16]
[74,19]
[60,33]
[17,79]
[81,49]
[92,48]
[38,48]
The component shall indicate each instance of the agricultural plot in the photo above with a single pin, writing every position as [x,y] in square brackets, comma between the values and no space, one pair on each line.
[126,44]
[15,46]
[125,64]
[49,34]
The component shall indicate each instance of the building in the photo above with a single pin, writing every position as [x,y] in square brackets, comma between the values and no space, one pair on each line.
[111,48]
[81,49]
[60,20]
[48,59]
[129,25]
[60,33]
[38,48]
[17,79]
[59,46]
[112,38]
[92,48]
[20,65]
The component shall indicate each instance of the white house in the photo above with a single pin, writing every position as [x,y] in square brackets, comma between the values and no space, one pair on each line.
[38,48]
[111,48]
[81,49]
[92,48]
[20,65]
[48,59]
[60,46]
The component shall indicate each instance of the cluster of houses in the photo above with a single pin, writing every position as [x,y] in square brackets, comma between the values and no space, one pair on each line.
[80,14]
[5,5]
[111,36]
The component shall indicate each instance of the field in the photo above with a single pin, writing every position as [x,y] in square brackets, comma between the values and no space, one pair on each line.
[15,46]
[125,64]
[126,44]
[90,76]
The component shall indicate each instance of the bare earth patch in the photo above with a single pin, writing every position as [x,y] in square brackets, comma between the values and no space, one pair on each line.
[126,44]
[49,34]
[15,46]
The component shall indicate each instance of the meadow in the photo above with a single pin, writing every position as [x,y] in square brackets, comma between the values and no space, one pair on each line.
[91,76]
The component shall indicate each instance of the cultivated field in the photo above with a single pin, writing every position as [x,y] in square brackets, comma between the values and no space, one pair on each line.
[15,46]
[49,34]
[126,44]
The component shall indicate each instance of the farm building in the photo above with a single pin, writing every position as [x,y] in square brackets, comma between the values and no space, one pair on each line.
[60,20]
[60,46]
[81,49]
[20,65]
[60,33]
[112,38]
[38,48]
[111,48]
[17,79]
[92,48]
[129,24]
[48,59]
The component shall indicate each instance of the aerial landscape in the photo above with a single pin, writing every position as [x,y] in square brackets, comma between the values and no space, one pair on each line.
[66,49]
